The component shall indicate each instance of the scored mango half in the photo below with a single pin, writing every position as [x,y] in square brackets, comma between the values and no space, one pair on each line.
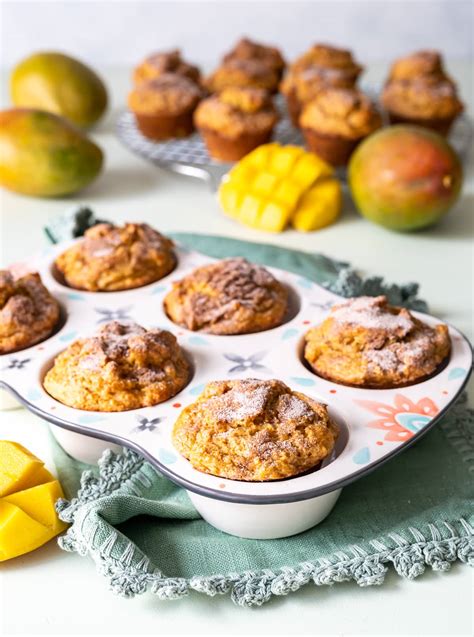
[28,493]
[274,186]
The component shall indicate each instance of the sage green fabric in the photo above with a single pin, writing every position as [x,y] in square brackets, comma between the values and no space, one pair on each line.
[144,534]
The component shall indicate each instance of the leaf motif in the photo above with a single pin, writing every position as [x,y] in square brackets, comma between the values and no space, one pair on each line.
[235,358]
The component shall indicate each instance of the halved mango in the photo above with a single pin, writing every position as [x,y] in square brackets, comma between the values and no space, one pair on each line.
[19,468]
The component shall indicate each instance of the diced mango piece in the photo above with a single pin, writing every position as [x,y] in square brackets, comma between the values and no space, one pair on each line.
[27,514]
[18,467]
[275,184]
[264,183]
[282,162]
[38,503]
[319,207]
[274,217]
[19,533]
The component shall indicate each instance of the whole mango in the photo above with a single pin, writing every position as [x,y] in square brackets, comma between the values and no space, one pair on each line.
[59,84]
[404,177]
[43,155]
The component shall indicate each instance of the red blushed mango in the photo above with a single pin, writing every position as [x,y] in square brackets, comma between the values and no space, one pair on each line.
[43,155]
[404,177]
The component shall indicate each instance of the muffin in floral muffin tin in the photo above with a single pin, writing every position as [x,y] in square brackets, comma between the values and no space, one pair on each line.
[368,343]
[231,296]
[111,258]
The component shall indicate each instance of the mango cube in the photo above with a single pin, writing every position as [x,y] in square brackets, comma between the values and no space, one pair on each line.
[275,185]
[319,207]
[27,515]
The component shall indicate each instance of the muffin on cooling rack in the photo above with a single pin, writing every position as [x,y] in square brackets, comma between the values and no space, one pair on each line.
[418,91]
[28,312]
[231,296]
[322,66]
[246,49]
[335,121]
[165,62]
[235,122]
[164,107]
[254,430]
[366,342]
[123,367]
[111,258]
[243,73]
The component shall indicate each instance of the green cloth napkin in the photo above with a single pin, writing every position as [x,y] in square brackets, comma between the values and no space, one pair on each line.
[415,511]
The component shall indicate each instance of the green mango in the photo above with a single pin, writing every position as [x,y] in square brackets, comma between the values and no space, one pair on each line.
[59,84]
[44,155]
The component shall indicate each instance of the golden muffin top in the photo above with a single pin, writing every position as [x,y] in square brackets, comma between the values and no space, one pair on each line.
[425,97]
[123,367]
[367,342]
[246,49]
[341,112]
[420,63]
[28,312]
[231,296]
[236,111]
[113,257]
[308,82]
[165,62]
[327,56]
[254,430]
[168,94]
[243,73]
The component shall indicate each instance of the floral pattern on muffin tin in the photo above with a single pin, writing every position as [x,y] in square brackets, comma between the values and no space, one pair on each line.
[375,424]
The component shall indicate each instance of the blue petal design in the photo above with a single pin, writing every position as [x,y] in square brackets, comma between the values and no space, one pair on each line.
[158,290]
[362,456]
[67,337]
[257,357]
[198,340]
[304,382]
[412,422]
[197,389]
[33,395]
[237,368]
[235,358]
[166,457]
[305,283]
[74,296]
[88,419]
[289,333]
[456,372]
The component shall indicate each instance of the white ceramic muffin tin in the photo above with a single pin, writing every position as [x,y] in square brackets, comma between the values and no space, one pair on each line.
[375,425]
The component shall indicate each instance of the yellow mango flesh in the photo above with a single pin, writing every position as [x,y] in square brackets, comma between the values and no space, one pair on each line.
[28,493]
[276,185]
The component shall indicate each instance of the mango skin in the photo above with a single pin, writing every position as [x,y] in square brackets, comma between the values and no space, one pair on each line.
[59,84]
[404,177]
[43,155]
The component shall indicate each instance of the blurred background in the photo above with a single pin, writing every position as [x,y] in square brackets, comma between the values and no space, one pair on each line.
[106,33]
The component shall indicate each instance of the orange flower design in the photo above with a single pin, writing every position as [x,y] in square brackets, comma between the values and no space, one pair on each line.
[402,421]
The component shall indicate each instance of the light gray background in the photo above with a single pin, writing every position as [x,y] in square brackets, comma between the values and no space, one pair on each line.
[107,33]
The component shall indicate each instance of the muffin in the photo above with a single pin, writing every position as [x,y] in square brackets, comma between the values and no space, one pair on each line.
[243,73]
[335,121]
[366,342]
[28,312]
[164,107]
[321,67]
[235,122]
[111,258]
[231,296]
[122,367]
[418,91]
[254,430]
[165,62]
[246,49]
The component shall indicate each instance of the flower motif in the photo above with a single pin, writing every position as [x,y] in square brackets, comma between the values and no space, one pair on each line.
[146,424]
[324,307]
[246,363]
[402,421]
[120,314]
[16,363]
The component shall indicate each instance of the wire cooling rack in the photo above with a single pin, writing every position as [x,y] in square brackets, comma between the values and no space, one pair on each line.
[189,156]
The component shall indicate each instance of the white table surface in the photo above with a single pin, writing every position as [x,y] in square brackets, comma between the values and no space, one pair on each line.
[52,592]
